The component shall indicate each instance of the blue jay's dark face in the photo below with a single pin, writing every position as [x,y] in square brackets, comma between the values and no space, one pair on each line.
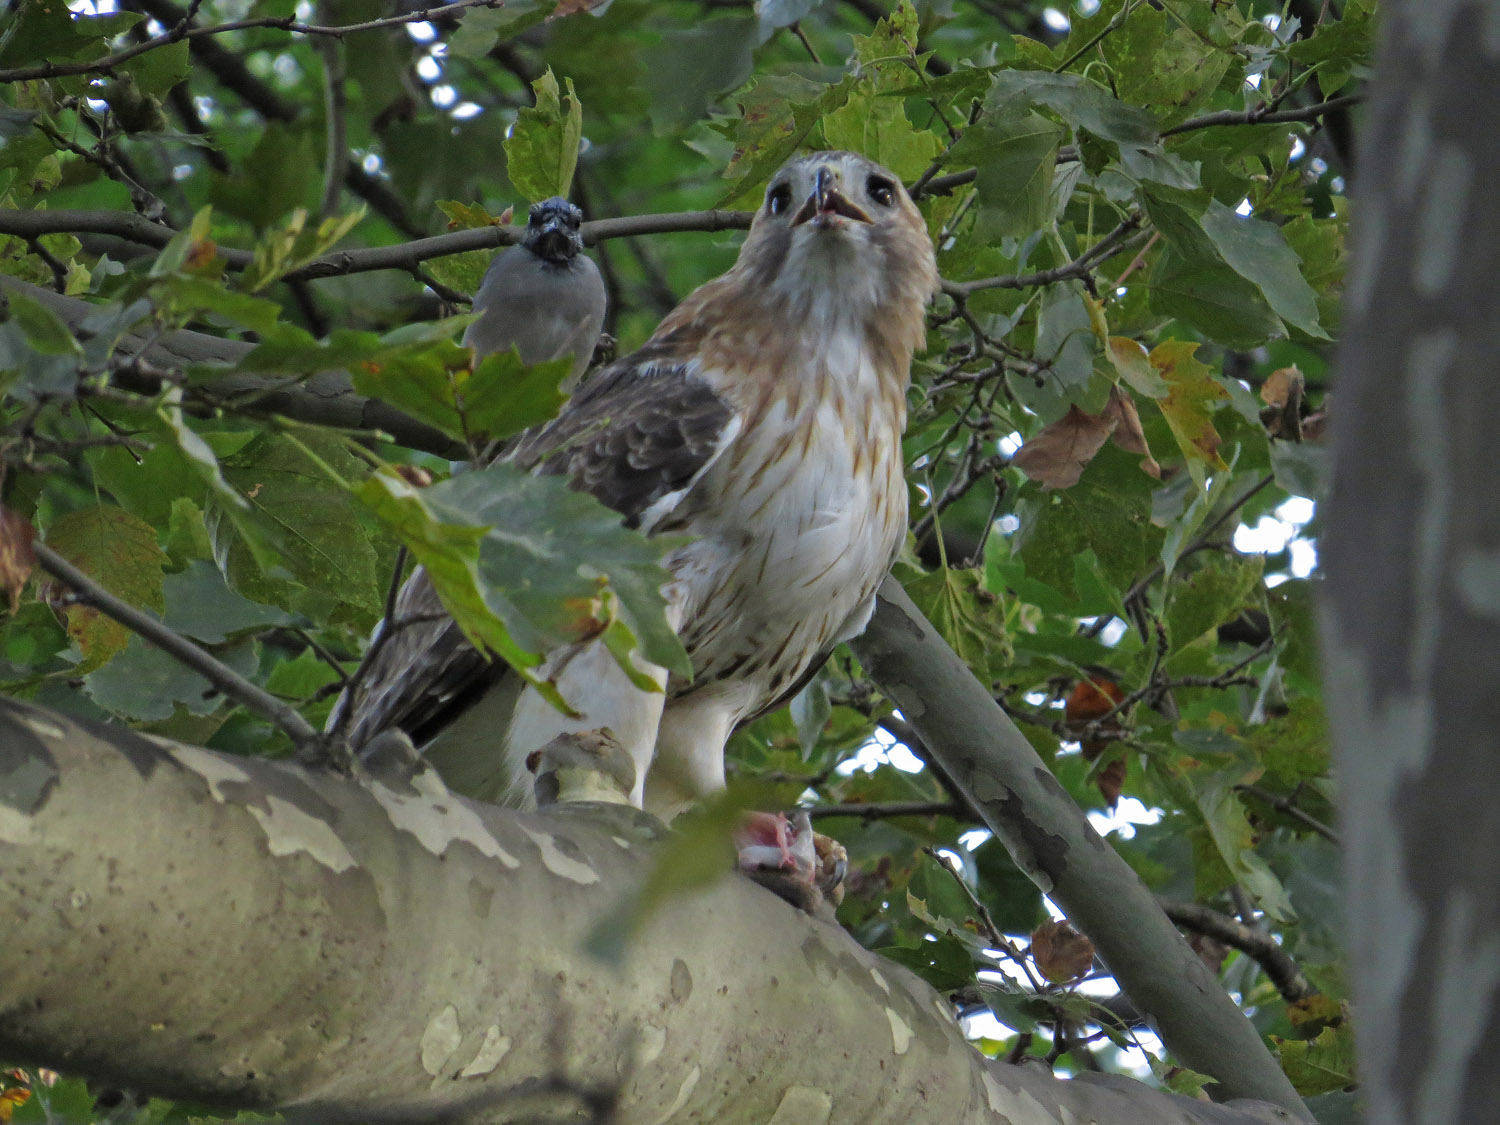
[552,230]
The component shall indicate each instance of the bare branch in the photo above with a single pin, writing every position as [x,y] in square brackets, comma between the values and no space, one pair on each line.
[181,31]
[1080,267]
[224,678]
[1259,944]
[1263,116]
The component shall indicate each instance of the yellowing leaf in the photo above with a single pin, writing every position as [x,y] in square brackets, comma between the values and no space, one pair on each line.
[1134,365]
[1191,397]
[119,552]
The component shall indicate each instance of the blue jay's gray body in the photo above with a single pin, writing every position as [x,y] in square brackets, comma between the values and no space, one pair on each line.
[543,295]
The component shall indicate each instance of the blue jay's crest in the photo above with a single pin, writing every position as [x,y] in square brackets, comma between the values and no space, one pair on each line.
[553,230]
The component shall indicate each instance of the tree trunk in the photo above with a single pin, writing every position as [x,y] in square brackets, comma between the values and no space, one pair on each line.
[1412,621]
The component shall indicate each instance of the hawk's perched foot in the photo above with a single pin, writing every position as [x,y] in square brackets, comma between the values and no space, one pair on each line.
[788,858]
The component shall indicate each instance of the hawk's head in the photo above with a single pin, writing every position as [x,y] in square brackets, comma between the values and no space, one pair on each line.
[836,225]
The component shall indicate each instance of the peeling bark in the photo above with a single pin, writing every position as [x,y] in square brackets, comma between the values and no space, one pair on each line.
[1412,612]
[245,933]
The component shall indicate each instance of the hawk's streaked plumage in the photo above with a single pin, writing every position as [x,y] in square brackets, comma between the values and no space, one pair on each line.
[764,419]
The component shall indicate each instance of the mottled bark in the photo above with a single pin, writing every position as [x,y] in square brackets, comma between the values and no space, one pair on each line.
[241,932]
[1412,550]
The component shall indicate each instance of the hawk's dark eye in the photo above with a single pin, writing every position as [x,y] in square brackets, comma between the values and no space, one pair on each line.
[778,199]
[881,190]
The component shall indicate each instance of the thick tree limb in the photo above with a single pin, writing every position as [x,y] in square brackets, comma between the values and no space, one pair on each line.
[258,936]
[1053,842]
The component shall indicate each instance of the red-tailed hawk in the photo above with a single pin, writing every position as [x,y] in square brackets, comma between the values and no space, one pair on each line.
[763,419]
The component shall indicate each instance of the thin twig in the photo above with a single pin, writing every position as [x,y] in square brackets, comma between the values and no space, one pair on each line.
[970,473]
[1280,969]
[886,810]
[59,271]
[1080,266]
[179,32]
[335,104]
[1289,806]
[993,932]
[1265,116]
[221,676]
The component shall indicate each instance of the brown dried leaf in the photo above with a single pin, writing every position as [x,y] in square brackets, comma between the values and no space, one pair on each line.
[1111,779]
[1128,434]
[1056,456]
[572,8]
[1061,952]
[1279,385]
[17,559]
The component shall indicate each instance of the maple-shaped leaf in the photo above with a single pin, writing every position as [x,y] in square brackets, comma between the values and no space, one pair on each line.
[1188,407]
[1058,453]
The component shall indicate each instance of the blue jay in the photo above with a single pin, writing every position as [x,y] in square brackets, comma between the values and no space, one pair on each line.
[543,295]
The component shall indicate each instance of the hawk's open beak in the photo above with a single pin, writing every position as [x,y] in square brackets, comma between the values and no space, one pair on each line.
[826,201]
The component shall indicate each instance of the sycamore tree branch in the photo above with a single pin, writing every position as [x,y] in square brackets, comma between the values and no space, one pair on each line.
[1261,945]
[180,31]
[325,399]
[508,1017]
[229,682]
[406,256]
[1052,841]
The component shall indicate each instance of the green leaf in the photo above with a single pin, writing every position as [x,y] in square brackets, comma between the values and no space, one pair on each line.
[119,552]
[1014,159]
[691,65]
[1233,837]
[293,245]
[201,605]
[45,330]
[145,683]
[1322,1065]
[970,617]
[542,149]
[1078,101]
[1214,299]
[432,381]
[777,114]
[158,70]
[945,964]
[274,179]
[1256,250]
[325,564]
[551,555]
[1212,594]
[1105,517]
[876,126]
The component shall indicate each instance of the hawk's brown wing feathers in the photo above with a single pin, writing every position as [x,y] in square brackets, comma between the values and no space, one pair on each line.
[635,436]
